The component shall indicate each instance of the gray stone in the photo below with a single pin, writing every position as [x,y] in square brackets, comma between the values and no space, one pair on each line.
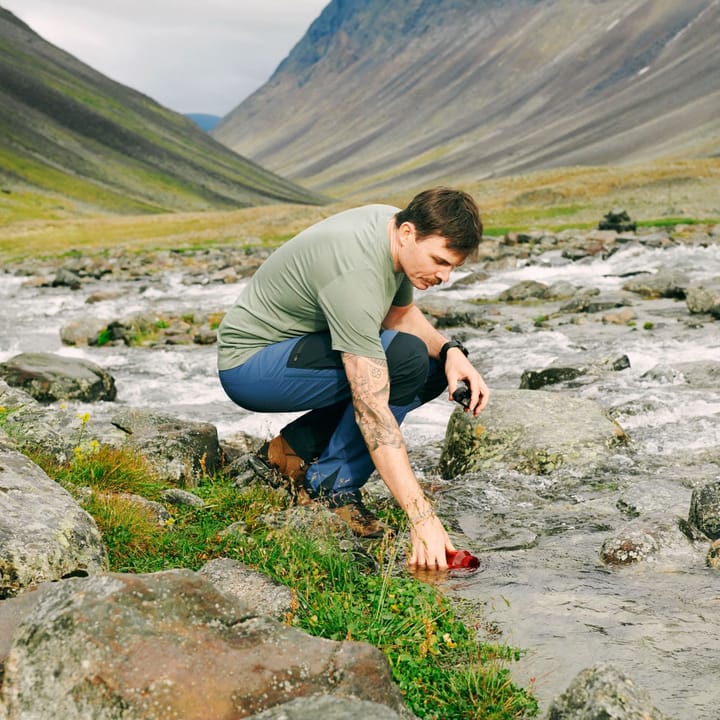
[166,645]
[328,707]
[603,693]
[257,591]
[180,451]
[44,534]
[48,377]
[528,431]
[705,509]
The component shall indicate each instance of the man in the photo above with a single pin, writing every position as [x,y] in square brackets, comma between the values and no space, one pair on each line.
[327,324]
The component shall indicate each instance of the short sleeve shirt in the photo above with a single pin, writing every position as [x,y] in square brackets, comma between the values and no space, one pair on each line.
[336,276]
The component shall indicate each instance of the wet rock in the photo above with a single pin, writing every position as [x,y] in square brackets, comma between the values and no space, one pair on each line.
[261,594]
[44,534]
[645,539]
[712,560]
[472,278]
[532,432]
[444,312]
[603,693]
[535,379]
[172,645]
[180,451]
[619,317]
[702,373]
[83,331]
[524,290]
[49,377]
[700,299]
[67,278]
[705,509]
[666,282]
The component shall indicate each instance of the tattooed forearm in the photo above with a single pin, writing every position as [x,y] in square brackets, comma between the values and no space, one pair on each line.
[370,387]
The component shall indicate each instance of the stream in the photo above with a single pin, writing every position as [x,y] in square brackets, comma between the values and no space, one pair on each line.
[546,592]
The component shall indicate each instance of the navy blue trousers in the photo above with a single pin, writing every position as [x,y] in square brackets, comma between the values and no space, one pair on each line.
[305,373]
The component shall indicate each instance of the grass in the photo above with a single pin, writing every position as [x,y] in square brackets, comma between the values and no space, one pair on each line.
[659,194]
[441,669]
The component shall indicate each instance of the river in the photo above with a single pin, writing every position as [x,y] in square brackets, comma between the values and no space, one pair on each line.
[659,622]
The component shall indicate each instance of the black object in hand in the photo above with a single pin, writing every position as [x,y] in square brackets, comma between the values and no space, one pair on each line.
[462,395]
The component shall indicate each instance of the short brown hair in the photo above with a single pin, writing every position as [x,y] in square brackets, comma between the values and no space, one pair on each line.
[452,214]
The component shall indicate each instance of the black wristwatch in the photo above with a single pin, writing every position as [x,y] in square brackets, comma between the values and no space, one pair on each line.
[448,346]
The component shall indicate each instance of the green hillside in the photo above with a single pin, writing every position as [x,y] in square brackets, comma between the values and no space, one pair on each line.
[73,141]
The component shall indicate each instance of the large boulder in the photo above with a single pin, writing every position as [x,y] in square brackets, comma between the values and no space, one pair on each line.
[165,645]
[180,451]
[44,534]
[531,431]
[49,377]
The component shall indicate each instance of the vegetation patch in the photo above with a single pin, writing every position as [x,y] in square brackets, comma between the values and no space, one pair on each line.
[443,671]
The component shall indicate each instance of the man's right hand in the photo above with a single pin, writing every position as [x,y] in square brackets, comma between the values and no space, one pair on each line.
[430,542]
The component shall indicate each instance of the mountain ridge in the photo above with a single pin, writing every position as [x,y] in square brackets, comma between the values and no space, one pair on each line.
[80,140]
[401,94]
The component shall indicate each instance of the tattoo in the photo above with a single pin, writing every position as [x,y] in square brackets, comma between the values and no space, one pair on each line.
[370,387]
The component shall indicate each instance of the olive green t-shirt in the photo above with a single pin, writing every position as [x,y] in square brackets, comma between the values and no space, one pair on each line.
[337,275]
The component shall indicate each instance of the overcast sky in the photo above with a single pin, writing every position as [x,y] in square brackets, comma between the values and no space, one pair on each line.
[190,55]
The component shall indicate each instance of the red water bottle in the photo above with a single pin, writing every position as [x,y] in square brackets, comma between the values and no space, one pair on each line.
[461,559]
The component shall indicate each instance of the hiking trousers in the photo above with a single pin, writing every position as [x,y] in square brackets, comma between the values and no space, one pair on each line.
[305,373]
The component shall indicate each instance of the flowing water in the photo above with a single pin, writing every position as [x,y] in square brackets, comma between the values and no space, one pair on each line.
[543,590]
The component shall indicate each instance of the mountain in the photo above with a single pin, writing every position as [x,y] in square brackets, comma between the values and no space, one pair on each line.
[204,121]
[383,94]
[71,137]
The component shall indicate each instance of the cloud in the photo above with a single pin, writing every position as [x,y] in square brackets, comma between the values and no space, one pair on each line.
[190,56]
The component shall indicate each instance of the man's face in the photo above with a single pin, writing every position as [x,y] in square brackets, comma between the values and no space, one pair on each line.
[427,261]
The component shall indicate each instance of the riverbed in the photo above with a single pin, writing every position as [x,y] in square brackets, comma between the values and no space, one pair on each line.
[542,588]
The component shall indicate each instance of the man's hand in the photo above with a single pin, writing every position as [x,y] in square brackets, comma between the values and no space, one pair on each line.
[430,542]
[458,368]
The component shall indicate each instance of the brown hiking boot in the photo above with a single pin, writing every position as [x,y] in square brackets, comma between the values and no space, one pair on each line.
[360,520]
[277,464]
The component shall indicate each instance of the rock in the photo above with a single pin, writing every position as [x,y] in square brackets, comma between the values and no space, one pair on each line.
[67,278]
[445,312]
[48,377]
[169,645]
[531,432]
[712,560]
[666,282]
[645,539]
[617,220]
[619,317]
[535,379]
[700,373]
[83,331]
[176,496]
[603,693]
[700,299]
[54,429]
[328,707]
[524,290]
[705,509]
[180,451]
[44,534]
[261,594]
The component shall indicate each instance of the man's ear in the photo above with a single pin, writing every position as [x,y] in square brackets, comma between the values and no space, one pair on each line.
[406,232]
